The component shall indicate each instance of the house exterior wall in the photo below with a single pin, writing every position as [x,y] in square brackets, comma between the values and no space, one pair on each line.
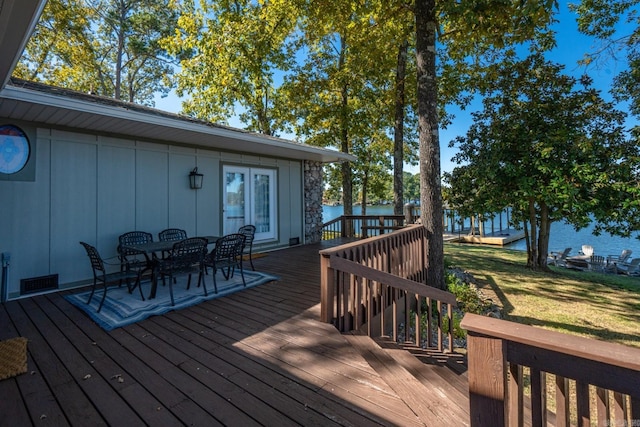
[93,188]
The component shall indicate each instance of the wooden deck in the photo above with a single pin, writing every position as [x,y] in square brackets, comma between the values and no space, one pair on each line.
[258,357]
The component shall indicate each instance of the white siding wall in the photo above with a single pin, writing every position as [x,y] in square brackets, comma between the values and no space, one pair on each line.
[94,188]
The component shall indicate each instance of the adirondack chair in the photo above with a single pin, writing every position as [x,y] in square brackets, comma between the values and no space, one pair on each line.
[631,268]
[558,258]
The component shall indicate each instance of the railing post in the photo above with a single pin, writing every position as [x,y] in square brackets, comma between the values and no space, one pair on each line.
[327,289]
[487,376]
[409,217]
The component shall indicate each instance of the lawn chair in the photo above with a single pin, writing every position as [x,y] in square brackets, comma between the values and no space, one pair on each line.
[587,250]
[597,263]
[619,259]
[100,274]
[631,268]
[559,258]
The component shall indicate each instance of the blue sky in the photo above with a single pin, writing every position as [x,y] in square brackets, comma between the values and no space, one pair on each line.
[571,47]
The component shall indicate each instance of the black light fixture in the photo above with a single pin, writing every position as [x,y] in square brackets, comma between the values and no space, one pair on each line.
[195,179]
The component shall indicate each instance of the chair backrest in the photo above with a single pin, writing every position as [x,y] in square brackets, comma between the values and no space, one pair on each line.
[597,260]
[587,250]
[229,246]
[565,253]
[171,234]
[249,231]
[625,255]
[96,261]
[188,252]
[132,238]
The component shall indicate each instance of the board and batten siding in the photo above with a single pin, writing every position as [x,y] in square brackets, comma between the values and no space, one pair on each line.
[93,188]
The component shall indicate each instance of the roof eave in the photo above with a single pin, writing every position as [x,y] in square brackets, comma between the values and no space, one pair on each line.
[181,129]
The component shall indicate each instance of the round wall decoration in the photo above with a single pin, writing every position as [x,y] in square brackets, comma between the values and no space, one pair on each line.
[14,149]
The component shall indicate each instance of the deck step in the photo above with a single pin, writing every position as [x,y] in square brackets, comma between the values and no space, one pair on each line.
[428,393]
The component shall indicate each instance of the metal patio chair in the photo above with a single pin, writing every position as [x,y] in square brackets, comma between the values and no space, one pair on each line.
[134,260]
[186,257]
[101,276]
[226,256]
[249,232]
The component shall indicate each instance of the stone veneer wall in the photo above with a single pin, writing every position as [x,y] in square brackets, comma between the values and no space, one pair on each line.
[312,201]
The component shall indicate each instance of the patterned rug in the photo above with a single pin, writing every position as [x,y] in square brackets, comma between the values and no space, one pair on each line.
[122,308]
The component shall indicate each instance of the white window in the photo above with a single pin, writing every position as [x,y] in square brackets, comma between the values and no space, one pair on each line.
[249,196]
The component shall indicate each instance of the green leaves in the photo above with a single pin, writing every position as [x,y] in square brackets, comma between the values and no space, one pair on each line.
[561,147]
[107,47]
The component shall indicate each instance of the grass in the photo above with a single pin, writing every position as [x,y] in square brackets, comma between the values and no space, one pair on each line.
[594,305]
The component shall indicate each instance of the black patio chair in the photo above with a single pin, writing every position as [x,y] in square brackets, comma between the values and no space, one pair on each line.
[226,256]
[249,232]
[134,260]
[100,274]
[186,257]
[171,235]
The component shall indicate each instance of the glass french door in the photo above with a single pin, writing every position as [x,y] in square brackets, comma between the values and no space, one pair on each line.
[249,196]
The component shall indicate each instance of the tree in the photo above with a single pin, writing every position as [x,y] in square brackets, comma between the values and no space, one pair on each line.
[546,148]
[107,47]
[467,32]
[230,52]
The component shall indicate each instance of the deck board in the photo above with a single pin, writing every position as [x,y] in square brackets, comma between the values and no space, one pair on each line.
[256,357]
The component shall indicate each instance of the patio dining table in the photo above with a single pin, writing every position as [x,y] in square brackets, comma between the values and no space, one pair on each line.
[150,248]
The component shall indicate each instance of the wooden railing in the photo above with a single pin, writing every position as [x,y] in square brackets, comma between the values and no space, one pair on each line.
[361,226]
[378,283]
[596,383]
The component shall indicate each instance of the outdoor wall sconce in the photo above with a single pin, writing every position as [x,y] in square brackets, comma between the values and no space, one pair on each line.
[195,179]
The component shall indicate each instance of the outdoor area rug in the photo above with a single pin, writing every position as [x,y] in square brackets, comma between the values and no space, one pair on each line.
[13,357]
[122,308]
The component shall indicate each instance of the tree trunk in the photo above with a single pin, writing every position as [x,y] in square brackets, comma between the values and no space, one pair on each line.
[347,185]
[365,184]
[543,237]
[120,50]
[532,258]
[430,185]
[398,137]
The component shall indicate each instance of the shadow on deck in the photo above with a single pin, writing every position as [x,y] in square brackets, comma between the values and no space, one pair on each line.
[257,357]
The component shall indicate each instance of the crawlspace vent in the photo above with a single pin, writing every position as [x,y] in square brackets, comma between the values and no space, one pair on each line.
[38,284]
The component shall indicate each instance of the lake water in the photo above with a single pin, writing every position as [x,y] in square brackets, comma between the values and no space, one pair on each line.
[562,235]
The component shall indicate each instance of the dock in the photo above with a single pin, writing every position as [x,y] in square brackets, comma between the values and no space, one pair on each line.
[497,238]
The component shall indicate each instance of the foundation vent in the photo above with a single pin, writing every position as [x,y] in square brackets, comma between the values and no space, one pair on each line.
[38,284]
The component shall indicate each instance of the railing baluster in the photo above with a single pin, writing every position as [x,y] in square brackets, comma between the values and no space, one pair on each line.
[450,331]
[582,400]
[515,395]
[429,322]
[439,305]
[602,406]
[407,319]
[562,402]
[538,397]
[418,320]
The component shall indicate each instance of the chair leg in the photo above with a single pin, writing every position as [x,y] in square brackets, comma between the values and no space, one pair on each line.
[215,284]
[171,290]
[204,285]
[251,259]
[93,289]
[242,274]
[139,285]
[104,296]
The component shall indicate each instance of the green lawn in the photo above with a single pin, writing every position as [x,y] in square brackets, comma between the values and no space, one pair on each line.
[601,306]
